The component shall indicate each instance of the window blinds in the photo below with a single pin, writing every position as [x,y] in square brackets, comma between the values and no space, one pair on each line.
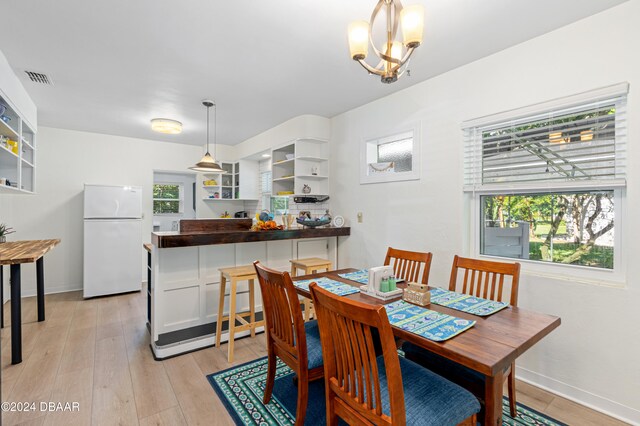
[578,146]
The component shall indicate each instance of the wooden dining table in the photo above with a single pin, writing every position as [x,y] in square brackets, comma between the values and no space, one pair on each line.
[16,253]
[489,347]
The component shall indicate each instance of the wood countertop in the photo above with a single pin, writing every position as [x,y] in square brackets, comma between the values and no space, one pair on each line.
[26,251]
[201,238]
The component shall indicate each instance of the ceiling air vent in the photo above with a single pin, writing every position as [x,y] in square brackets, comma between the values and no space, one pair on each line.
[38,77]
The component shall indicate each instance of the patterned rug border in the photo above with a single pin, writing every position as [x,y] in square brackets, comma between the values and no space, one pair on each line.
[238,420]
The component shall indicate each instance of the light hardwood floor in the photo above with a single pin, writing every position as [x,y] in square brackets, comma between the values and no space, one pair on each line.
[96,352]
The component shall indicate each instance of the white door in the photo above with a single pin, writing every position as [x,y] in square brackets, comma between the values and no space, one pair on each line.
[103,201]
[112,256]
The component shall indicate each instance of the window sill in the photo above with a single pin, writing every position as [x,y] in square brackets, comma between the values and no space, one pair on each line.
[572,273]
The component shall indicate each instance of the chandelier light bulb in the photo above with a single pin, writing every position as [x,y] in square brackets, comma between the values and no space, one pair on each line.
[359,39]
[412,24]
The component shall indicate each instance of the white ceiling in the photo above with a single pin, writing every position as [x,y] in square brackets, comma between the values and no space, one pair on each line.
[117,64]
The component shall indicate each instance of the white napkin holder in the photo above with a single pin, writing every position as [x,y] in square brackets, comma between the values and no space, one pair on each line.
[376,275]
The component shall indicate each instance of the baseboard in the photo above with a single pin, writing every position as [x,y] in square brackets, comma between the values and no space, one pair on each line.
[47,290]
[580,396]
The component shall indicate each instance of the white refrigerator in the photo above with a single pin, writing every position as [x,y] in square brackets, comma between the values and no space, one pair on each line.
[112,239]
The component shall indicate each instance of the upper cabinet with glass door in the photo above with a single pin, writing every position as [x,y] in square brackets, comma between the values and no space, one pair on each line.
[232,184]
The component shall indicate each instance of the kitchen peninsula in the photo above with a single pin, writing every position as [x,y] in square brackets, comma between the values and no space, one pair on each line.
[184,279]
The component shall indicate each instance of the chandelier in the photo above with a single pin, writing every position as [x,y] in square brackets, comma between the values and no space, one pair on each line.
[394,55]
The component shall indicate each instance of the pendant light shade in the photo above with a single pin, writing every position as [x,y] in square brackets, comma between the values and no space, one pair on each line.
[208,163]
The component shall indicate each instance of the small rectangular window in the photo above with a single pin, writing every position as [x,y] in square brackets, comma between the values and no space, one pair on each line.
[167,198]
[391,158]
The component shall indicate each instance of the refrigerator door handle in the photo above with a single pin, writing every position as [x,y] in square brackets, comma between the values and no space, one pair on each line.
[117,206]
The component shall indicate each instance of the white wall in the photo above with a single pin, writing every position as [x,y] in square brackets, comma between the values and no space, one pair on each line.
[593,355]
[66,161]
[186,180]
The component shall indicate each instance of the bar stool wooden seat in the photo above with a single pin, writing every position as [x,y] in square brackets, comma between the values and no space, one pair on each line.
[234,275]
[309,265]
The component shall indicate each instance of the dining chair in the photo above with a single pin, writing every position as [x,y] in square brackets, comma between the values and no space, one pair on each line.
[363,389]
[289,338]
[408,264]
[485,279]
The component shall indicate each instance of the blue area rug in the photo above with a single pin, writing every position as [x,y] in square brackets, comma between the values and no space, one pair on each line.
[241,389]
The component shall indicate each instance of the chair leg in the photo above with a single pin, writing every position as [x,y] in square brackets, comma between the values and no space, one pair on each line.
[332,417]
[511,384]
[223,282]
[232,318]
[252,308]
[303,397]
[294,271]
[271,375]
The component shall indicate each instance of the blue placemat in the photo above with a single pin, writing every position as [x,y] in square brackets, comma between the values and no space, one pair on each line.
[424,322]
[335,287]
[465,303]
[361,276]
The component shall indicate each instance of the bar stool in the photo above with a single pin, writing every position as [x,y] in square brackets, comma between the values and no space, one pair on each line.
[309,265]
[234,275]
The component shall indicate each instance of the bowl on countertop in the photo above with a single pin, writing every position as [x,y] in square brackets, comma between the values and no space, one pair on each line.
[312,223]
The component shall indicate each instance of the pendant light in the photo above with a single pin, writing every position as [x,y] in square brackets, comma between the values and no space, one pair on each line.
[208,163]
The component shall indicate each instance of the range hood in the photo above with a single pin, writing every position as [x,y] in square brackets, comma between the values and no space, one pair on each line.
[309,199]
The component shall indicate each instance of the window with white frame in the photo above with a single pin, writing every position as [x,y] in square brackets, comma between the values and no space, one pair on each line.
[390,158]
[265,189]
[168,198]
[547,180]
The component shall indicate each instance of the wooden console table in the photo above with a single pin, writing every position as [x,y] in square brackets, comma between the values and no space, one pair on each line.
[15,254]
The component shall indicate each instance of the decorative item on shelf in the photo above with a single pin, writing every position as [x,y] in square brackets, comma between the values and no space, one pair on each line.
[306,189]
[12,146]
[3,108]
[5,118]
[395,54]
[338,221]
[210,182]
[208,163]
[416,293]
[285,193]
[289,156]
[314,171]
[216,195]
[4,231]
[225,215]
[388,167]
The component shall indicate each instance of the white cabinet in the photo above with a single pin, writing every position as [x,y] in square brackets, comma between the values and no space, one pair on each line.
[17,151]
[299,164]
[238,182]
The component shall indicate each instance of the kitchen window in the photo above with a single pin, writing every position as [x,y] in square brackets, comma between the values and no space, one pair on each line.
[168,198]
[547,181]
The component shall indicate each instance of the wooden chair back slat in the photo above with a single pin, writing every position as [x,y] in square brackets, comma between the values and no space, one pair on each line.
[283,317]
[408,265]
[351,371]
[483,278]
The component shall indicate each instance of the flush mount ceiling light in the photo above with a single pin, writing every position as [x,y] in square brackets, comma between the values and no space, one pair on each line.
[165,125]
[394,54]
[208,163]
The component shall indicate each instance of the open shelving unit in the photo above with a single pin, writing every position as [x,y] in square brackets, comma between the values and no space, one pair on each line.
[299,163]
[17,165]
